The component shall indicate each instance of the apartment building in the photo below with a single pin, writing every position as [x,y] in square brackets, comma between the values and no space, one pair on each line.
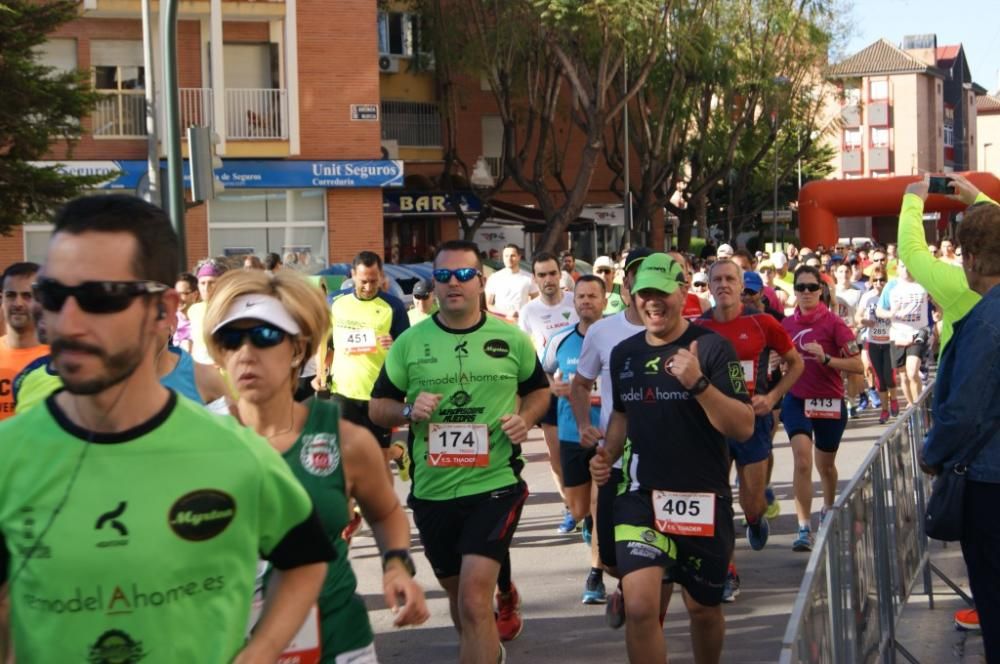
[988,133]
[291,89]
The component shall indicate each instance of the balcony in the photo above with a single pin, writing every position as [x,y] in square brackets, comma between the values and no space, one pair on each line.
[851,161]
[879,159]
[252,114]
[878,114]
[412,124]
[851,115]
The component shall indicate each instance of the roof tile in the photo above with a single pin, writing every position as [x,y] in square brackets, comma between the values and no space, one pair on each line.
[881,57]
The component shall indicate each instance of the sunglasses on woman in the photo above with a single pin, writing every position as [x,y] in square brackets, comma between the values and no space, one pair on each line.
[264,335]
[94,297]
[463,274]
[749,293]
[812,288]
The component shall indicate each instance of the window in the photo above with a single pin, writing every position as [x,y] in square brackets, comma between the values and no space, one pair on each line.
[949,126]
[880,137]
[852,94]
[411,123]
[398,33]
[852,139]
[878,90]
[256,222]
[119,76]
[60,54]
[493,143]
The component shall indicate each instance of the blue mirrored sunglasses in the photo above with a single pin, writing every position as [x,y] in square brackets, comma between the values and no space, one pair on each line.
[463,274]
[261,336]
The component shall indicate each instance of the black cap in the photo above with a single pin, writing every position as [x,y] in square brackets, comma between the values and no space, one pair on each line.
[422,289]
[636,254]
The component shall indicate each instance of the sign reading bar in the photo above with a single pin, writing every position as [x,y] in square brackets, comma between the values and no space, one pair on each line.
[364,111]
[254,173]
[434,203]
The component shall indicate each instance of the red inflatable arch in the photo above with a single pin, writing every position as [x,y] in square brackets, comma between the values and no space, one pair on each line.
[822,201]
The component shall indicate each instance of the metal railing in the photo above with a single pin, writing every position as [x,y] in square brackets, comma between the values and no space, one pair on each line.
[870,552]
[412,123]
[120,114]
[254,113]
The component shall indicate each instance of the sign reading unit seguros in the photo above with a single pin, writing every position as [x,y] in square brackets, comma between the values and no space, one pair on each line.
[254,173]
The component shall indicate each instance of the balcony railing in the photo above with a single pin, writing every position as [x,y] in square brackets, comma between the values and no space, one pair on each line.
[251,113]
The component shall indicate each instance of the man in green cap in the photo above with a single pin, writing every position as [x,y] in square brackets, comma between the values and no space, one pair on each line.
[673,513]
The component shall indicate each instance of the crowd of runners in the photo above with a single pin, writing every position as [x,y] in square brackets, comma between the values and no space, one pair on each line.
[190,450]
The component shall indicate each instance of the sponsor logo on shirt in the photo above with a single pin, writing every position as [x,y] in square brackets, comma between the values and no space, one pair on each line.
[115,647]
[110,522]
[121,600]
[627,369]
[31,548]
[320,455]
[652,366]
[654,394]
[736,378]
[201,515]
[497,348]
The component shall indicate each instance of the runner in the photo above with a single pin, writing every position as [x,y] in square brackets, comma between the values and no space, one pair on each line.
[261,324]
[593,374]
[208,273]
[814,408]
[187,291]
[604,267]
[908,309]
[673,514]
[366,322]
[20,346]
[753,334]
[471,387]
[562,354]
[847,297]
[694,306]
[541,318]
[424,302]
[877,346]
[570,275]
[509,289]
[169,566]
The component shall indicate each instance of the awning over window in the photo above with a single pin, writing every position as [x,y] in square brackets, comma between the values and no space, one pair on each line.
[531,219]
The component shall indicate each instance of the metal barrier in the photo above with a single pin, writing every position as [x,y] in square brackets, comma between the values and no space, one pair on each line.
[870,552]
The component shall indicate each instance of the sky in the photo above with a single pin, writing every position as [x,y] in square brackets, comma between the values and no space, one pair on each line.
[973,23]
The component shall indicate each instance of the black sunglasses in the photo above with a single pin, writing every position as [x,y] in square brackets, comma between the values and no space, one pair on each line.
[878,281]
[463,274]
[94,297]
[264,335]
[604,270]
[749,293]
[812,288]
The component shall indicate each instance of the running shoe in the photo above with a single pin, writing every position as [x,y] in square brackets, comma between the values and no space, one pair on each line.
[852,412]
[614,612]
[585,532]
[804,540]
[967,620]
[893,407]
[773,506]
[884,417]
[863,401]
[873,398]
[593,590]
[509,622]
[757,534]
[403,462]
[731,590]
[568,525]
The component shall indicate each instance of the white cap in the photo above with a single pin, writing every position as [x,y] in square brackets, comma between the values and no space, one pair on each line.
[779,259]
[260,307]
[725,251]
[699,278]
[604,261]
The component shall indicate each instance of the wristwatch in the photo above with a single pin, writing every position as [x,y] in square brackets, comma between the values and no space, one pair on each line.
[826,359]
[700,386]
[401,555]
[407,410]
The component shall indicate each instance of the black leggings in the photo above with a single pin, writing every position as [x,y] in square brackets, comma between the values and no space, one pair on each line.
[881,359]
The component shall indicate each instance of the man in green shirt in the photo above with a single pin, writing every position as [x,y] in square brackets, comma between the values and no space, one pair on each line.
[470,386]
[131,521]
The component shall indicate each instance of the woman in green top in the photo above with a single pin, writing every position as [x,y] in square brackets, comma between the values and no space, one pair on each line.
[263,327]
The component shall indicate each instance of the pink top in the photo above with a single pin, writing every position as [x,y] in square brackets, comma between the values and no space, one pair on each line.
[825,328]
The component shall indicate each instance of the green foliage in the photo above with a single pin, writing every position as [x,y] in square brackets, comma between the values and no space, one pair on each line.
[40,107]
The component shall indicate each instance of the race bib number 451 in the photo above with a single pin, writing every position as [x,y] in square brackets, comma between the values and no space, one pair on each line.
[689,514]
[823,409]
[458,445]
[356,342]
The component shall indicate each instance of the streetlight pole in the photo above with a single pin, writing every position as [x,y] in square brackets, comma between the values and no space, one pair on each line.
[628,188]
[779,81]
[172,118]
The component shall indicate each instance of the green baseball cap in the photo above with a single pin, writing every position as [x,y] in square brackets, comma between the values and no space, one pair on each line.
[660,272]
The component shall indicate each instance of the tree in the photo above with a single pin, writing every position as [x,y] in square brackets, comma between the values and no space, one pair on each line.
[40,108]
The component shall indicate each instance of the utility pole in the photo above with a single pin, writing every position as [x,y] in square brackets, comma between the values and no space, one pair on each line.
[152,137]
[171,135]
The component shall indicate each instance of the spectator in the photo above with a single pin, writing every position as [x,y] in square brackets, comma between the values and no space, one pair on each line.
[251,262]
[272,262]
[570,274]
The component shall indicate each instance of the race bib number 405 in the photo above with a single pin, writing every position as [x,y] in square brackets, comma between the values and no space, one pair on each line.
[823,409]
[689,514]
[458,445]
[356,342]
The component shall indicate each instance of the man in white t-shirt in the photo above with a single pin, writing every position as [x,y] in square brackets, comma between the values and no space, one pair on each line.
[509,289]
[541,318]
[909,314]
[594,366]
[846,299]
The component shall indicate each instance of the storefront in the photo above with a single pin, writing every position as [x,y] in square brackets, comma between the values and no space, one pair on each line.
[413,221]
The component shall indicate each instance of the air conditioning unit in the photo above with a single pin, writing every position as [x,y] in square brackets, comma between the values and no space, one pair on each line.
[388,64]
[390,149]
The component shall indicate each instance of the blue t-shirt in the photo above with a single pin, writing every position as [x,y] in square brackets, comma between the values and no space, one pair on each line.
[562,353]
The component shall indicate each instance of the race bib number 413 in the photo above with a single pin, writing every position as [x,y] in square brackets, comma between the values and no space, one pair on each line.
[458,445]
[689,514]
[823,409]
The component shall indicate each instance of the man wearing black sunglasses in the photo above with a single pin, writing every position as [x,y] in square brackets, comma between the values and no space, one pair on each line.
[470,387]
[133,520]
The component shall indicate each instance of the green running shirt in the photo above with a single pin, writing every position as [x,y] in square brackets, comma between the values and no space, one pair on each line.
[480,372]
[154,554]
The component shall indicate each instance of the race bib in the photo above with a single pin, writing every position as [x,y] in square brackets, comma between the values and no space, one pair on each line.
[458,445]
[304,647]
[823,409]
[749,371]
[356,342]
[689,514]
[595,392]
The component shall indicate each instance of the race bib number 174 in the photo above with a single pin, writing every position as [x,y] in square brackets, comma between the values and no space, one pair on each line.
[458,445]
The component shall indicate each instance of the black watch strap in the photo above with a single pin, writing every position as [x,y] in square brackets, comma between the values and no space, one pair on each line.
[401,555]
[700,386]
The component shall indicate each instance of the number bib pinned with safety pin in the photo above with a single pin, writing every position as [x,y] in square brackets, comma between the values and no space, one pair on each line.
[458,445]
[822,409]
[688,514]
[356,342]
